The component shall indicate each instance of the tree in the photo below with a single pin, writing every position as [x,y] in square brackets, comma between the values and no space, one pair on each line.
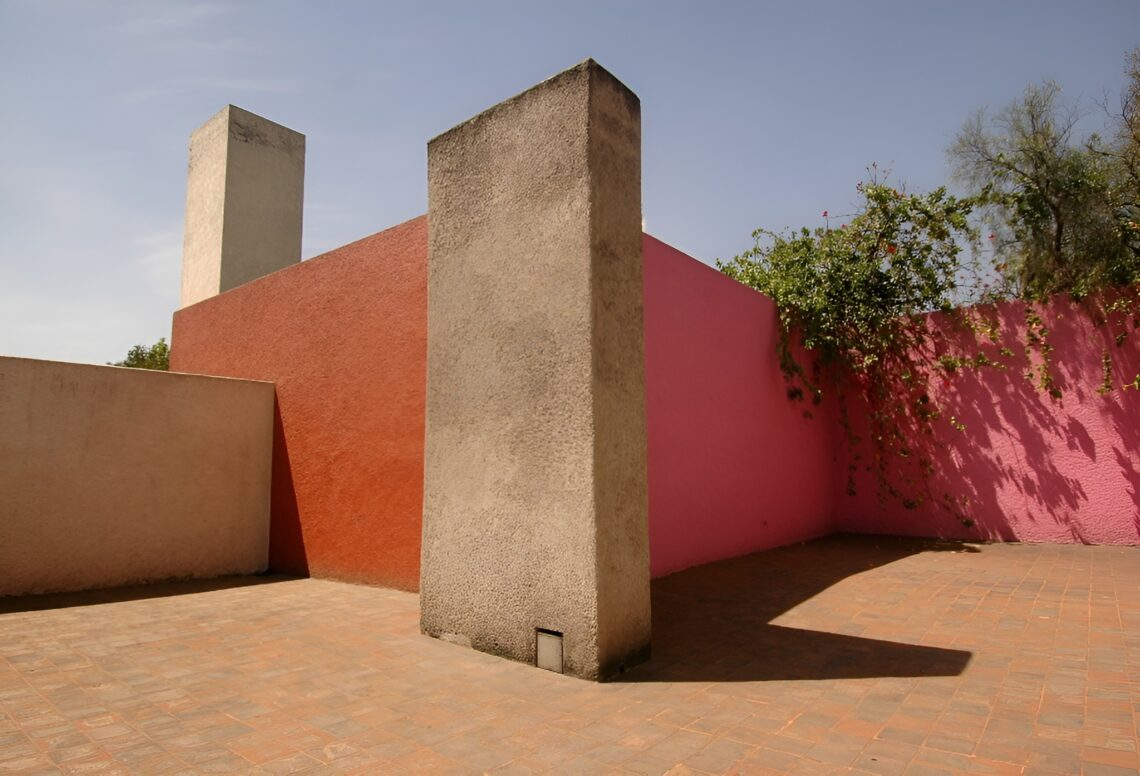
[856,298]
[157,356]
[1065,217]
[1056,207]
[854,295]
[1123,151]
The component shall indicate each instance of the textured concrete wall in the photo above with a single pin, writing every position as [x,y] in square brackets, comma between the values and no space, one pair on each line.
[344,338]
[734,466]
[244,196]
[114,476]
[535,511]
[1025,467]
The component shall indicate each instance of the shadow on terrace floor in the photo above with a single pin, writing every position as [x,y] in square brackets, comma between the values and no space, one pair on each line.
[32,603]
[712,623]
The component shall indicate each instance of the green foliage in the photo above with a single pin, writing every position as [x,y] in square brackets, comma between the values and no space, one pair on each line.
[1127,146]
[1123,152]
[853,294]
[856,298]
[157,356]
[1062,213]
[1064,216]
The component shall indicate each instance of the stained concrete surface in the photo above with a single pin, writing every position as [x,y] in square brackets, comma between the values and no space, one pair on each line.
[244,198]
[535,494]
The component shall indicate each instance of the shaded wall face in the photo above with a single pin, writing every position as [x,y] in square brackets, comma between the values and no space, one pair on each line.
[1025,467]
[113,476]
[734,466]
[535,491]
[343,337]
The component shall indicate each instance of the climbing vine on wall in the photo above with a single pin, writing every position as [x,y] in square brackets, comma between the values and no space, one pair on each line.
[1062,216]
[1063,212]
[856,296]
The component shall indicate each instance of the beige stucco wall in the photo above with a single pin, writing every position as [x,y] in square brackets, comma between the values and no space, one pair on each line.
[535,510]
[244,198]
[111,476]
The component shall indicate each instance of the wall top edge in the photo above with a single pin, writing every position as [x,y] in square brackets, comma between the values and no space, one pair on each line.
[159,374]
[588,66]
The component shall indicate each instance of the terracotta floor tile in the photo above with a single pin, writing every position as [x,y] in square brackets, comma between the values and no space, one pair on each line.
[875,655]
[1119,758]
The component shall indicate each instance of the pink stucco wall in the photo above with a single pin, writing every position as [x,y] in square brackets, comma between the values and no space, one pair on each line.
[734,467]
[1029,468]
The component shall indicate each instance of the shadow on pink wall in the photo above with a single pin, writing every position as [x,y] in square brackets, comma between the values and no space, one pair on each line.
[735,467]
[1025,467]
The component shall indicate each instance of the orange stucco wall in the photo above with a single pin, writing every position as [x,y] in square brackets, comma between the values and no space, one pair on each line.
[343,336]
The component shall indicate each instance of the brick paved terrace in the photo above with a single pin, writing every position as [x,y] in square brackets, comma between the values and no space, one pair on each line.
[845,655]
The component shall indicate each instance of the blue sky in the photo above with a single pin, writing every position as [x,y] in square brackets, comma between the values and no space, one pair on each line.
[754,114]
